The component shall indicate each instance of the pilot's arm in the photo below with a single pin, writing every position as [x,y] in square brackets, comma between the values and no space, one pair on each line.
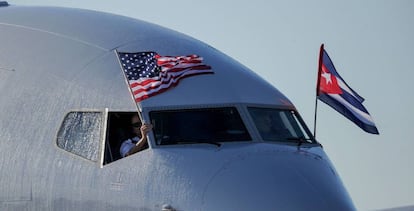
[140,145]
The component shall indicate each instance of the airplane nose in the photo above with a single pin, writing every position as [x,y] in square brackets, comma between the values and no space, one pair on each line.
[276,181]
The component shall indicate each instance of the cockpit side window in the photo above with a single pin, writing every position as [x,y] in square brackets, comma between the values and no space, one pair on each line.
[118,130]
[279,125]
[207,125]
[80,134]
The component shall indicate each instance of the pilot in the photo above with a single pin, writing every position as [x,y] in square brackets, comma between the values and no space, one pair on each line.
[270,126]
[264,125]
[139,141]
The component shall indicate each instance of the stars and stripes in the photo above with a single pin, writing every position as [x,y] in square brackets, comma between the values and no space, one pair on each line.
[149,74]
[335,92]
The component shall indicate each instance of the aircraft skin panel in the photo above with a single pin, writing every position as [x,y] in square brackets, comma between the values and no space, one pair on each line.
[220,90]
[76,24]
[173,168]
[54,61]
[78,70]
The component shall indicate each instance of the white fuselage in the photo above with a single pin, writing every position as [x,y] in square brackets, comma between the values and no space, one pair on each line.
[57,63]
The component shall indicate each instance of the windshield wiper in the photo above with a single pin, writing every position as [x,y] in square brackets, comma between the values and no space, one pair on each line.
[300,140]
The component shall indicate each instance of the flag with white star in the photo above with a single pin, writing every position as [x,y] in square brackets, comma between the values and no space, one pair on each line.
[335,92]
[149,74]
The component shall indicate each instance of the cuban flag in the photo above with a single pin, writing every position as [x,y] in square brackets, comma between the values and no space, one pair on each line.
[335,92]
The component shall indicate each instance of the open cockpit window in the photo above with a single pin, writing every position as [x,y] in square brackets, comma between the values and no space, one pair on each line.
[280,125]
[206,125]
[121,134]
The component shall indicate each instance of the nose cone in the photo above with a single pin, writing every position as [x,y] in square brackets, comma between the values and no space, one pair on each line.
[277,181]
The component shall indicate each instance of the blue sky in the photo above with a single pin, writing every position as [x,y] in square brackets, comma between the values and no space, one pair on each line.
[371,44]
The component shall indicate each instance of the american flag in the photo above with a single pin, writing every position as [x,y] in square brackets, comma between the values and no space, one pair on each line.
[149,74]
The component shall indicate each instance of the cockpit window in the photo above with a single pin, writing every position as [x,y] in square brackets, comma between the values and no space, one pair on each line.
[209,125]
[80,134]
[119,130]
[279,125]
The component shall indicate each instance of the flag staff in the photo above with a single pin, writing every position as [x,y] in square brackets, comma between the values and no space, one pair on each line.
[314,120]
[317,88]
[129,87]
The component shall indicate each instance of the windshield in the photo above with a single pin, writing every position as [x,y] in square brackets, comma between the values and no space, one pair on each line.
[207,125]
[279,125]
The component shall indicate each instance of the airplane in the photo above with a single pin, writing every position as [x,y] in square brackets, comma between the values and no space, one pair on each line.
[65,107]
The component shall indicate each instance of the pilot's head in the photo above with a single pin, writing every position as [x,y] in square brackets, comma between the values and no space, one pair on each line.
[135,124]
[263,122]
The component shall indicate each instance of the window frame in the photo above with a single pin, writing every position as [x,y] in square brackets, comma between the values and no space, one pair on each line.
[103,135]
[210,134]
[291,108]
[124,113]
[242,109]
[239,107]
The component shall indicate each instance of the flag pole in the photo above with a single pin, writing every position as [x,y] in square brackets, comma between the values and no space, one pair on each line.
[317,88]
[314,120]
[129,87]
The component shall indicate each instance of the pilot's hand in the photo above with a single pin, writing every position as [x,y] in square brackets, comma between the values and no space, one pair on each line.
[145,128]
